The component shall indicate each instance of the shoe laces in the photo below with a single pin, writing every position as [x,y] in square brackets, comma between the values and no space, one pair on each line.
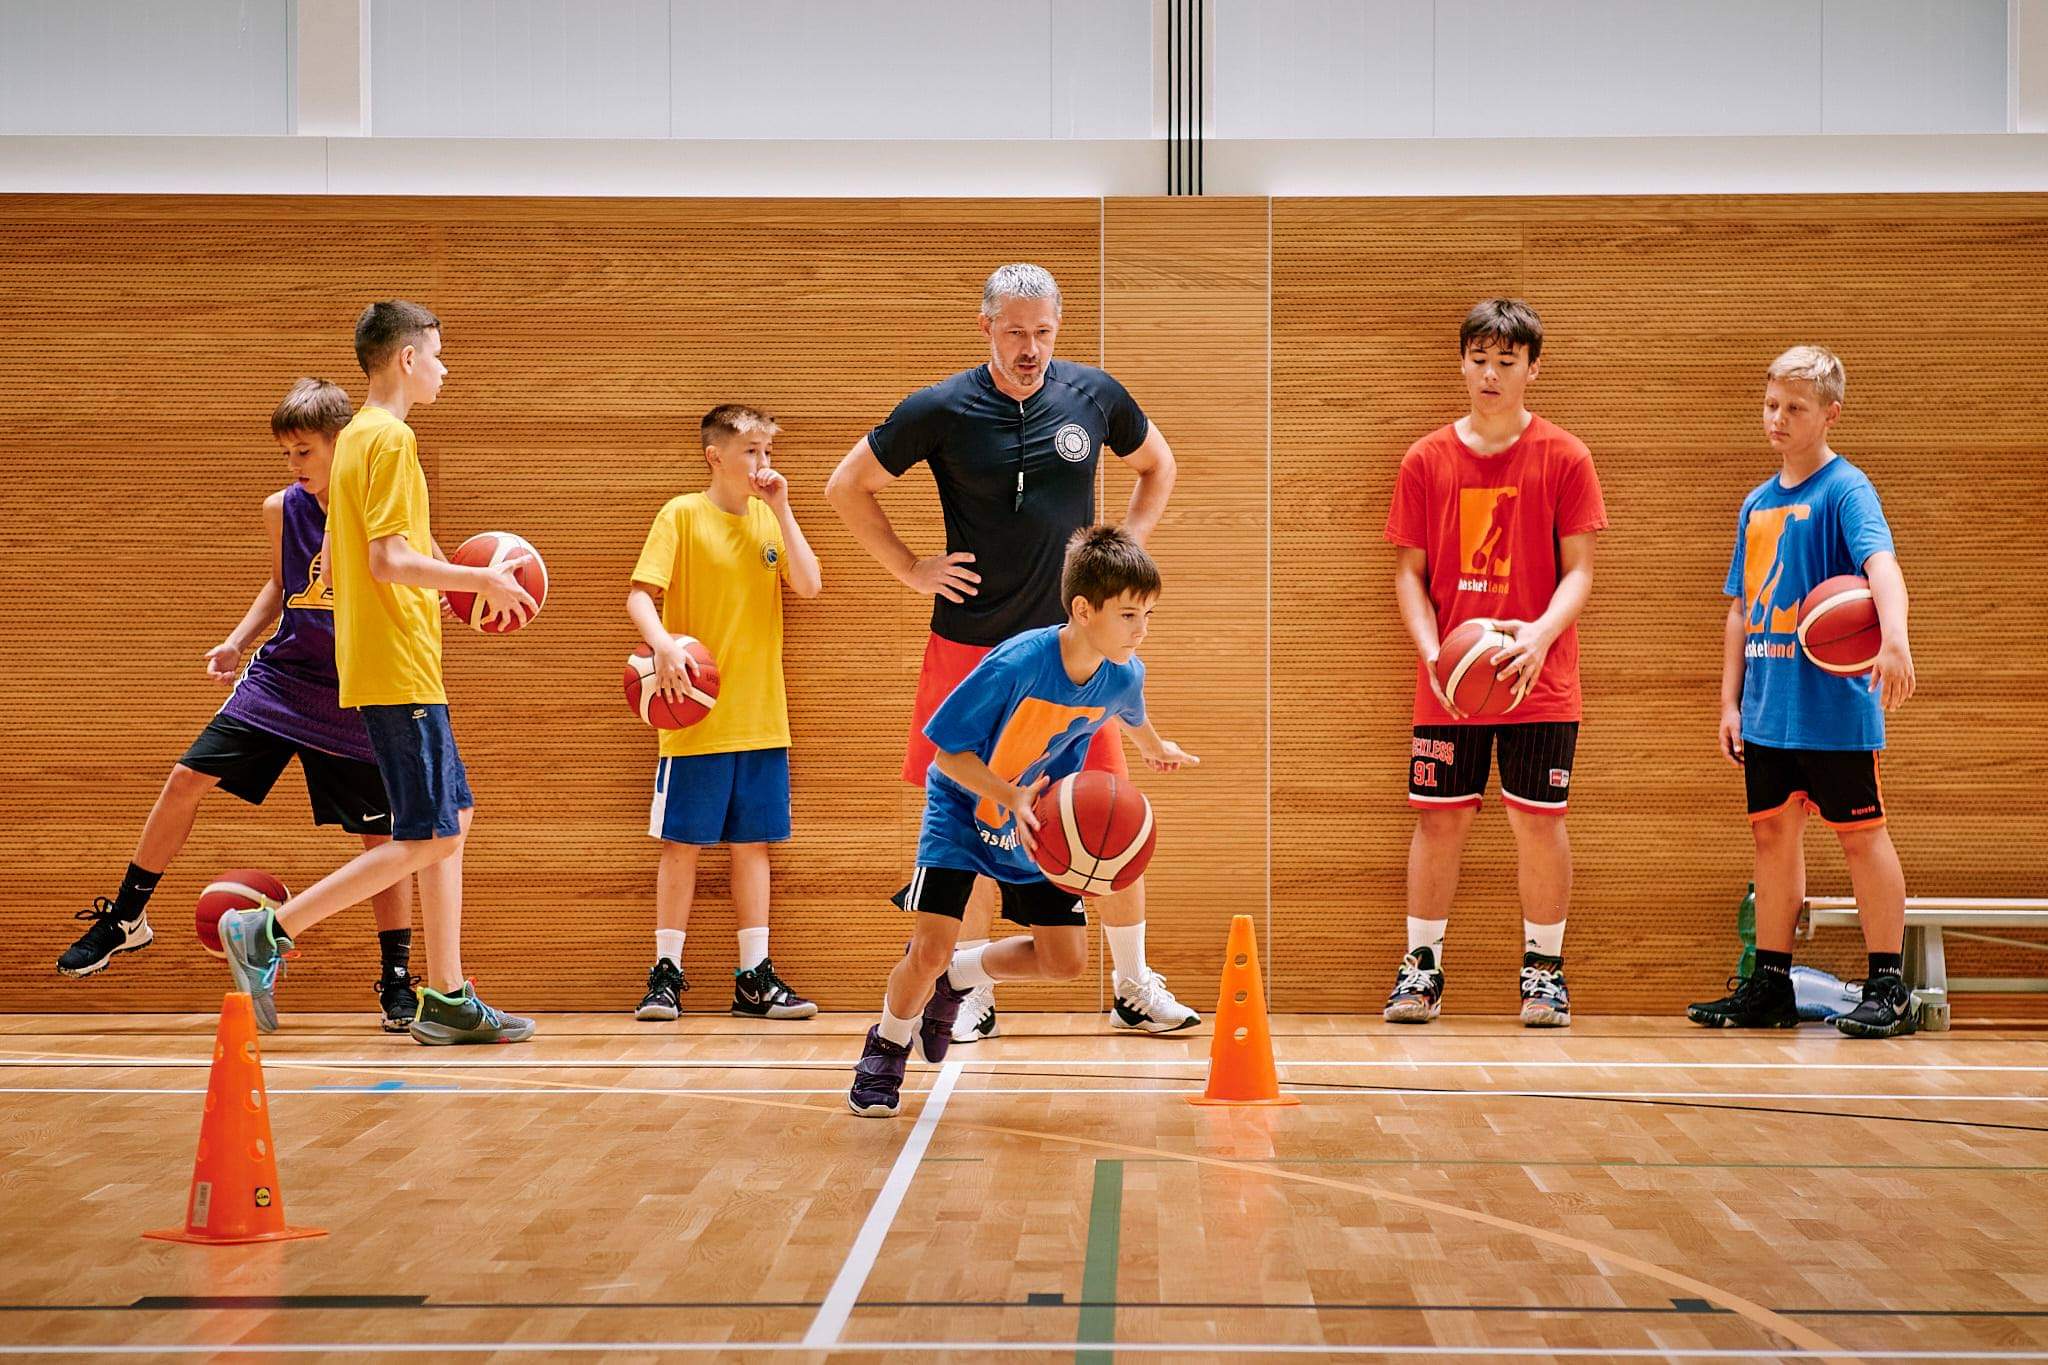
[101,909]
[1149,992]
[666,973]
[1542,981]
[1416,979]
[981,1000]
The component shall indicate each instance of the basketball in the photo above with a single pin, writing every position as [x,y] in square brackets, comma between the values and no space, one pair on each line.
[700,694]
[1095,833]
[1838,626]
[495,547]
[1464,670]
[242,889]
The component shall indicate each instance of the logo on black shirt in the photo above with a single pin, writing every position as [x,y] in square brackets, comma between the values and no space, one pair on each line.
[1072,442]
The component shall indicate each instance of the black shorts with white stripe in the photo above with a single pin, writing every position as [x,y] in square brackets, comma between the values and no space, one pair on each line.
[944,891]
[1448,764]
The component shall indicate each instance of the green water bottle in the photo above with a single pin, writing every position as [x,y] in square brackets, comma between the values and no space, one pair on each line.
[1745,926]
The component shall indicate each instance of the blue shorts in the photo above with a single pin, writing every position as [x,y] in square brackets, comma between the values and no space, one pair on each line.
[740,798]
[422,772]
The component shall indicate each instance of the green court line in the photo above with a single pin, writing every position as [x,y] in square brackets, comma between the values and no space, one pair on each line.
[1632,1165]
[1098,1272]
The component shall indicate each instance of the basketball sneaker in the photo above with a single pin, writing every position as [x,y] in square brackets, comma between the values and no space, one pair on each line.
[1149,1007]
[1544,1001]
[1418,990]
[255,949]
[665,985]
[977,1017]
[935,1030]
[759,993]
[463,1018]
[878,1077]
[1886,1010]
[397,999]
[1760,1000]
[108,935]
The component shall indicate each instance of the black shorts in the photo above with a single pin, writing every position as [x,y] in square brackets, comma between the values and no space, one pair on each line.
[1842,784]
[1448,764]
[248,762]
[1035,905]
[416,750]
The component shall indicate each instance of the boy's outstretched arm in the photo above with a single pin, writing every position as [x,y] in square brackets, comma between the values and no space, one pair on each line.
[1891,677]
[224,660]
[1161,755]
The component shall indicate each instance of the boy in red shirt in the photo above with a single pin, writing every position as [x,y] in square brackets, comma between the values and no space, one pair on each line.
[1493,519]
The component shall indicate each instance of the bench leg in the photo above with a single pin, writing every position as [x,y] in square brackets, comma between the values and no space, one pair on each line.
[1927,974]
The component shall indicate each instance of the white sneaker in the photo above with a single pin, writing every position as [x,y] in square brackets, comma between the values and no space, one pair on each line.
[1147,1004]
[977,1017]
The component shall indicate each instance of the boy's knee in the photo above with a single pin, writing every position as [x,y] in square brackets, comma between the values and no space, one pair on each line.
[190,782]
[1445,825]
[1061,959]
[930,955]
[1862,840]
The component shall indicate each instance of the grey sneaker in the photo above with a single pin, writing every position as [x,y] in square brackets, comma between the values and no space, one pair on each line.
[255,948]
[463,1018]
[1886,1010]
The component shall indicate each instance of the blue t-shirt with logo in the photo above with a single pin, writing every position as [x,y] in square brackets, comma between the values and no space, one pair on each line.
[1787,542]
[1020,712]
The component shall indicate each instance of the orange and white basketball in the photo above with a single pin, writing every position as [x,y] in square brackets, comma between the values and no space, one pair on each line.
[244,888]
[495,547]
[700,693]
[1095,833]
[1838,626]
[1465,672]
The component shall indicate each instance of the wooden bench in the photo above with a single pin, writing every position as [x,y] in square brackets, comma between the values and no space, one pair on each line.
[1927,918]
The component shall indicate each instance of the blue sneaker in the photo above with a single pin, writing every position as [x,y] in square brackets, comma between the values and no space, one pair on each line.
[255,949]
[878,1078]
[935,1030]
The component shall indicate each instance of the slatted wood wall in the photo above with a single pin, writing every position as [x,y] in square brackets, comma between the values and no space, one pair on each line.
[143,341]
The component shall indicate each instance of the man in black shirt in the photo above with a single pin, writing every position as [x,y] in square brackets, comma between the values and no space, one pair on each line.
[1013,446]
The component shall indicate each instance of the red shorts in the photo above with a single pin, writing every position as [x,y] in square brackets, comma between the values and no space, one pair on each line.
[946,663]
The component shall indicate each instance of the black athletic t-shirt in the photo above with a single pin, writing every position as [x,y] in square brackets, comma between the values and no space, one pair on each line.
[1015,481]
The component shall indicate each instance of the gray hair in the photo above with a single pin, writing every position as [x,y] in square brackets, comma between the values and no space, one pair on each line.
[1817,367]
[1018,281]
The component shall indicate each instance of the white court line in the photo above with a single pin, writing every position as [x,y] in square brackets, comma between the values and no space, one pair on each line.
[860,1258]
[979,1348]
[757,1064]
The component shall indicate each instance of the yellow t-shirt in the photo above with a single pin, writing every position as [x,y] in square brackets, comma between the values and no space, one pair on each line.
[721,580]
[387,636]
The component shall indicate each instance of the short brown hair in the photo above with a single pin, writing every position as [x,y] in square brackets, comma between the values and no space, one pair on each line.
[387,327]
[1504,322]
[735,419]
[314,406]
[1104,562]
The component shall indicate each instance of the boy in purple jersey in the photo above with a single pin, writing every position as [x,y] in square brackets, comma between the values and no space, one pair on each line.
[285,704]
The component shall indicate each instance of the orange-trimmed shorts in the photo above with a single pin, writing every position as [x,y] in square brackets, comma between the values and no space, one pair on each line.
[946,664]
[1842,784]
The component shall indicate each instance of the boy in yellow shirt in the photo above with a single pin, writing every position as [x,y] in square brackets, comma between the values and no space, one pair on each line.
[718,559]
[379,560]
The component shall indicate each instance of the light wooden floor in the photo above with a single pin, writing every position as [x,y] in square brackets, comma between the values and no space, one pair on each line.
[618,1191]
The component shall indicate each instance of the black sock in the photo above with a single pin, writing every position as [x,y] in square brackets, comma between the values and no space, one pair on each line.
[1887,964]
[136,889]
[1768,961]
[395,945]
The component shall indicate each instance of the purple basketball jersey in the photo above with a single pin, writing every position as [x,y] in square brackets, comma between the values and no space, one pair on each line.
[290,688]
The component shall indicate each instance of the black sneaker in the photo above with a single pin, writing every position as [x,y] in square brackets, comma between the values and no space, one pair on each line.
[935,1030]
[1885,1012]
[878,1078]
[463,1018]
[398,1000]
[1762,1000]
[108,935]
[1545,1003]
[758,993]
[665,984]
[1418,990]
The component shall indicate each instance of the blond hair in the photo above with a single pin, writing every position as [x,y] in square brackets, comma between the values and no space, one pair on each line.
[1818,367]
[735,419]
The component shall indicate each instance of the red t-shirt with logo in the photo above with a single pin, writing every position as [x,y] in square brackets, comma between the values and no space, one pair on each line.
[1490,526]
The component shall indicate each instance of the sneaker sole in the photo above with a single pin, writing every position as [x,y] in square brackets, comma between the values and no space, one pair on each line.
[803,1011]
[1904,1027]
[872,1111]
[428,1037]
[1546,1018]
[1722,1021]
[1410,1013]
[395,1025]
[977,1032]
[1117,1021]
[656,1014]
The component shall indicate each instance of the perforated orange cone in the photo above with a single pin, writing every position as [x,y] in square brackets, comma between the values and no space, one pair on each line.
[235,1196]
[1241,1057]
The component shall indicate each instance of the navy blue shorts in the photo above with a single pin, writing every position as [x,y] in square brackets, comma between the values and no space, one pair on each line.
[740,798]
[422,772]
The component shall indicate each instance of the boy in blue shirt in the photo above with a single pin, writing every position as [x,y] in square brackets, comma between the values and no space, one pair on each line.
[1020,721]
[1803,737]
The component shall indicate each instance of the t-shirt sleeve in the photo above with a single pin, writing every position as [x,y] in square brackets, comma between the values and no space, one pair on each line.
[1733,587]
[1128,425]
[386,509]
[1408,514]
[1131,709]
[914,432]
[658,556]
[970,717]
[1864,528]
[1580,507]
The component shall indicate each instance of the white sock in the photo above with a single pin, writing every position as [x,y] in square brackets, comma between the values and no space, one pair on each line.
[967,972]
[753,947]
[1127,949]
[668,943]
[896,1030]
[1428,933]
[1546,939]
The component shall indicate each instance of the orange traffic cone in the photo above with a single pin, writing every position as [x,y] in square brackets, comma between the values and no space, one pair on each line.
[235,1195]
[1241,1057]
